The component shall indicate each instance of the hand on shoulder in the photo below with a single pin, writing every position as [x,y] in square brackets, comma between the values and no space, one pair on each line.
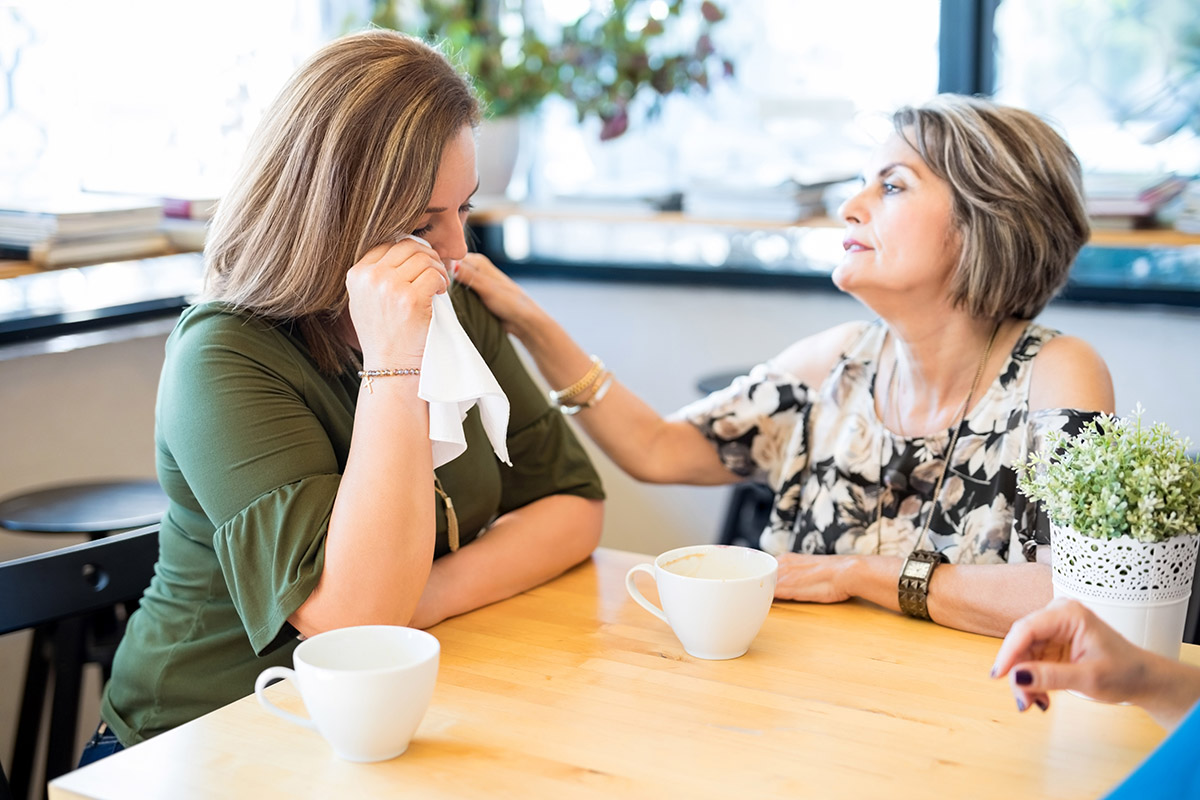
[1069,373]
[811,359]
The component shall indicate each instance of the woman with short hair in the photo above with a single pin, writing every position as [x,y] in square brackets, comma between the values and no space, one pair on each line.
[290,437]
[891,446]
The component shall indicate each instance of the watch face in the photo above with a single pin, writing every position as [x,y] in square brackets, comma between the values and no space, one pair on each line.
[917,569]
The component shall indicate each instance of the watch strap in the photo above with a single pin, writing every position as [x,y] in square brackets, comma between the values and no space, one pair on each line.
[914,592]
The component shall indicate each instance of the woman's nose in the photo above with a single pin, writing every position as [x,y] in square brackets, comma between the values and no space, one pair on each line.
[853,209]
[452,245]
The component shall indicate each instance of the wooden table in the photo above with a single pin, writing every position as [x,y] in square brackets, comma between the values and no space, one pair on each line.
[571,690]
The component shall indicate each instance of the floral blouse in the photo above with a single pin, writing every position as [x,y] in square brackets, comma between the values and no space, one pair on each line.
[821,452]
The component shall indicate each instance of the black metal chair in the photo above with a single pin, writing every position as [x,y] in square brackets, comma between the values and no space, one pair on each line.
[56,594]
[747,514]
[749,506]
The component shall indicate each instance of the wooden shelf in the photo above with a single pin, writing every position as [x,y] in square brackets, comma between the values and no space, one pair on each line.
[1157,237]
[1165,237]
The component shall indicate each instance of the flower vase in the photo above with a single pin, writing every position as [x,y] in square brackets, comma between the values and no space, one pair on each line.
[498,143]
[1141,589]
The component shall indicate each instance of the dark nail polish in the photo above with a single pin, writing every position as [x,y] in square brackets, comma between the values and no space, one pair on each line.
[1024,677]
[1021,704]
[1042,704]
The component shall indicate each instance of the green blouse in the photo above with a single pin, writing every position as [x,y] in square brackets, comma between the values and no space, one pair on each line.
[251,443]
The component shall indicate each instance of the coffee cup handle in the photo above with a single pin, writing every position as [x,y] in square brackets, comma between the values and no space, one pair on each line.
[636,594]
[260,684]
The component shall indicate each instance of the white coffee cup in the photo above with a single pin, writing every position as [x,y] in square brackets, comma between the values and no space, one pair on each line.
[714,597]
[366,688]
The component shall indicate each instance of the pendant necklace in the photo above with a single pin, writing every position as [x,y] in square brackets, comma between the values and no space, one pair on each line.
[947,456]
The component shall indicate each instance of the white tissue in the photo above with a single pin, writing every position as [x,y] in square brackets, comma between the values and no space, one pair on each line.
[455,377]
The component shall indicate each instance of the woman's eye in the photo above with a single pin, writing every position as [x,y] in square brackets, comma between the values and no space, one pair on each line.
[424,229]
[890,188]
[466,208]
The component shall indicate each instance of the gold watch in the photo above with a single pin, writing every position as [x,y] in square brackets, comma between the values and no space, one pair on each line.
[914,581]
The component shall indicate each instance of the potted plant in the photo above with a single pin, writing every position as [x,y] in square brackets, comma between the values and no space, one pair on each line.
[1123,500]
[600,63]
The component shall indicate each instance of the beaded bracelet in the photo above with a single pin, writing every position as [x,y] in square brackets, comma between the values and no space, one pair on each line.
[368,374]
[576,388]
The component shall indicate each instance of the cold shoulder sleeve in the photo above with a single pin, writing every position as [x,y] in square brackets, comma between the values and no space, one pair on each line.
[757,423]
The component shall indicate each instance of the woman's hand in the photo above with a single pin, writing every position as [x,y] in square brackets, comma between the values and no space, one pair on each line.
[813,579]
[499,293]
[1066,646]
[391,301]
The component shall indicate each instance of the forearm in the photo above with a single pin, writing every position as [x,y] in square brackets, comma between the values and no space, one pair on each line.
[381,534]
[985,599]
[521,549]
[631,433]
[988,598]
[1170,690]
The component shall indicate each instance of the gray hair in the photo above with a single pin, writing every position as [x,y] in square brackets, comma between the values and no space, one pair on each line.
[1017,200]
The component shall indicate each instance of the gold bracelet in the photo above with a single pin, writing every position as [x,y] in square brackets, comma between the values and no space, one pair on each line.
[605,383]
[368,374]
[578,386]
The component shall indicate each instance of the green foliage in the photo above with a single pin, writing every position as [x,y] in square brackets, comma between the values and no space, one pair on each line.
[1117,478]
[601,62]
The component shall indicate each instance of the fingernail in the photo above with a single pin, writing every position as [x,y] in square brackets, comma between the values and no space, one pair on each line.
[1024,677]
[993,672]
[1021,704]
[1042,704]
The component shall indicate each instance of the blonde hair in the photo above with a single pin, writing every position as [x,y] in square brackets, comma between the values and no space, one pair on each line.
[1018,200]
[344,160]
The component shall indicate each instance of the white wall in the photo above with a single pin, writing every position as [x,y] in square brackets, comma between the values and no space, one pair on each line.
[89,412]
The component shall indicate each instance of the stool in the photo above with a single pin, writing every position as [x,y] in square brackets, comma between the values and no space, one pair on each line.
[95,509]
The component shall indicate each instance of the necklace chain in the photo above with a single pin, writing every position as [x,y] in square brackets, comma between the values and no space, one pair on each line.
[947,456]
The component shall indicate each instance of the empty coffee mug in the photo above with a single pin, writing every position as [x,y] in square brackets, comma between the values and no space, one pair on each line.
[366,688]
[714,597]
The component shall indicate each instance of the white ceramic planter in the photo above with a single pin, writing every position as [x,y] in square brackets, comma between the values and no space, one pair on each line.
[497,146]
[1141,589]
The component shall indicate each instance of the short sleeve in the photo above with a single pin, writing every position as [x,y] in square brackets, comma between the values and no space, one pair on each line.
[269,577]
[237,421]
[546,456]
[1032,526]
[754,422]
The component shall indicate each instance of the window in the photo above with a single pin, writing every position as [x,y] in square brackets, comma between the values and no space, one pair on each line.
[806,73]
[138,94]
[1121,78]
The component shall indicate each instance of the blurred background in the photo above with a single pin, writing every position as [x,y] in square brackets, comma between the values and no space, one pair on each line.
[619,97]
[662,175]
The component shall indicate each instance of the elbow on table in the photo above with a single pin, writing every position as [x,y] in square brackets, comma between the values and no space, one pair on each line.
[321,612]
[590,527]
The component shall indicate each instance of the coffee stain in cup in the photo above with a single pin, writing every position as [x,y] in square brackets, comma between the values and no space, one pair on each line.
[675,561]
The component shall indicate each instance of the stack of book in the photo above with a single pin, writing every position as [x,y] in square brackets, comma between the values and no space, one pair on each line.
[1126,200]
[789,201]
[80,228]
[186,219]
[1188,219]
